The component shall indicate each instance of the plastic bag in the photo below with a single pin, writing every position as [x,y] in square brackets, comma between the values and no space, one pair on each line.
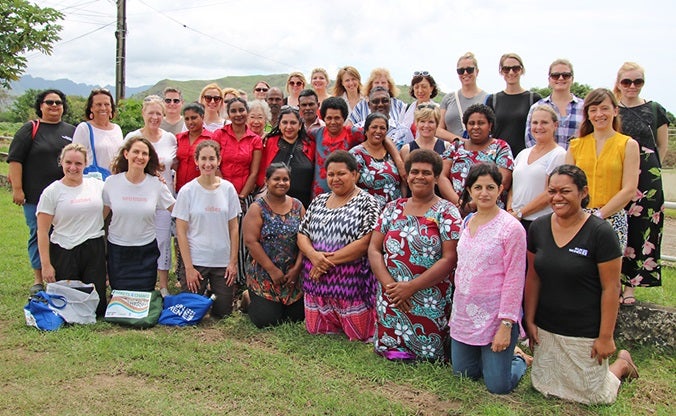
[81,300]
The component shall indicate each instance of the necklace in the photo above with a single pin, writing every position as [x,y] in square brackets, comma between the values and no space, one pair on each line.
[344,200]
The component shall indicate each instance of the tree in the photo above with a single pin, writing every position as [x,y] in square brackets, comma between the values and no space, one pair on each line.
[23,108]
[24,27]
[129,116]
[579,90]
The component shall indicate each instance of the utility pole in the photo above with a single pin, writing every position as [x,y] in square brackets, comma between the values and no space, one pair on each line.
[120,57]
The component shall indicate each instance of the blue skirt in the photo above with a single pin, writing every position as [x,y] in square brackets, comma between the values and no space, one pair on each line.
[133,267]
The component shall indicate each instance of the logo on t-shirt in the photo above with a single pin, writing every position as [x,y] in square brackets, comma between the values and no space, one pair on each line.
[580,251]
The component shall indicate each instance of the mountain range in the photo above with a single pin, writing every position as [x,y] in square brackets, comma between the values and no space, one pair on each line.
[67,86]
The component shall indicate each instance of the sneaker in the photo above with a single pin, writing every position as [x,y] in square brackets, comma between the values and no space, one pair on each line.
[35,289]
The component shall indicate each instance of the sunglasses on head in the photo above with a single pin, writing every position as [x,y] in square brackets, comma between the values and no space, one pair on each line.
[214,98]
[421,74]
[564,75]
[172,100]
[468,69]
[637,82]
[515,68]
[261,89]
[53,102]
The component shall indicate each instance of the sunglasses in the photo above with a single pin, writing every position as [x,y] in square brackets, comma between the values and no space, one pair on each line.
[422,106]
[638,82]
[261,89]
[469,70]
[172,100]
[421,74]
[378,101]
[214,98]
[564,75]
[53,102]
[296,83]
[515,69]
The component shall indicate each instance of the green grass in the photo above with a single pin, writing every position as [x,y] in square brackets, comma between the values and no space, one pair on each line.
[230,367]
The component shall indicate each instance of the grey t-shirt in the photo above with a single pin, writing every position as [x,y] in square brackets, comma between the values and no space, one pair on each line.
[453,119]
[174,128]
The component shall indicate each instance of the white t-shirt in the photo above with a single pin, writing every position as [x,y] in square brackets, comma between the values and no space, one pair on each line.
[529,181]
[107,143]
[166,152]
[207,213]
[77,211]
[133,207]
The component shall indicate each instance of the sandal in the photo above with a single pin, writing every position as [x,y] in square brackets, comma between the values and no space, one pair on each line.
[633,370]
[629,301]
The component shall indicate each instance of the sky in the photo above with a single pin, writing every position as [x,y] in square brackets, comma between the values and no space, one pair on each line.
[209,39]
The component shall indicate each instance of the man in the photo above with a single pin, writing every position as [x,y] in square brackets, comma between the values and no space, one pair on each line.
[309,105]
[173,102]
[274,98]
[380,102]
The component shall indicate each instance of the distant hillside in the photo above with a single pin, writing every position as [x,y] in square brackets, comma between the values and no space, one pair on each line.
[67,86]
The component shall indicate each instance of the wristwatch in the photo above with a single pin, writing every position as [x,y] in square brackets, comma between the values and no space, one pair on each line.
[507,323]
[519,214]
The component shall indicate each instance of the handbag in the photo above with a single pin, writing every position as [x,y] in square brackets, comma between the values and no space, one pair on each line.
[134,308]
[40,311]
[81,300]
[185,309]
[94,170]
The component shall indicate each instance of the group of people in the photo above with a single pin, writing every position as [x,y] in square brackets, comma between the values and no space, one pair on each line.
[362,215]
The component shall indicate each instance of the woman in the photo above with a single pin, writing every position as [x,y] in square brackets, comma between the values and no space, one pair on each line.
[295,83]
[480,147]
[211,98]
[105,136]
[511,105]
[489,282]
[288,144]
[165,146]
[270,233]
[133,193]
[33,164]
[319,79]
[186,144]
[259,117]
[571,297]
[380,77]
[348,87]
[334,237]
[206,212]
[647,123]
[378,174]
[260,90]
[528,198]
[427,120]
[72,209]
[452,126]
[609,159]
[412,251]
[423,89]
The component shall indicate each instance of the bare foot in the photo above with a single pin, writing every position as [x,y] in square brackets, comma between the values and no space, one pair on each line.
[631,370]
[527,358]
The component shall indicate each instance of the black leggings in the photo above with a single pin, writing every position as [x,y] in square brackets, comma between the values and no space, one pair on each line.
[265,312]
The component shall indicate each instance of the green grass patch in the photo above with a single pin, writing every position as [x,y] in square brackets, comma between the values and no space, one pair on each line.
[230,367]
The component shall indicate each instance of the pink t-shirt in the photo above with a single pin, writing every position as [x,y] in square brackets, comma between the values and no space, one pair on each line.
[489,279]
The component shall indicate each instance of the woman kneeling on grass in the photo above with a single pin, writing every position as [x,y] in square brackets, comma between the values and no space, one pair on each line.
[207,229]
[571,297]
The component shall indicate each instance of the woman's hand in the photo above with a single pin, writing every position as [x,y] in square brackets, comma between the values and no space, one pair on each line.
[192,279]
[291,276]
[18,197]
[399,294]
[532,332]
[320,261]
[230,273]
[48,273]
[501,338]
[277,276]
[603,348]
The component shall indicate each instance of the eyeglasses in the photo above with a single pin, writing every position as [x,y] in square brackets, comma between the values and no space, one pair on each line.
[53,102]
[378,101]
[469,70]
[172,100]
[421,74]
[261,89]
[214,98]
[557,75]
[296,83]
[516,68]
[638,82]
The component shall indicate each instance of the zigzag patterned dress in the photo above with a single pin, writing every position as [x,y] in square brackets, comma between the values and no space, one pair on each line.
[343,299]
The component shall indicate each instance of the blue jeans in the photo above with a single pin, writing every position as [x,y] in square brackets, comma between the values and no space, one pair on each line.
[501,371]
[29,212]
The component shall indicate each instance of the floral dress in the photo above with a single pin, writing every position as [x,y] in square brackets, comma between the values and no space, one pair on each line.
[411,245]
[278,239]
[379,177]
[645,212]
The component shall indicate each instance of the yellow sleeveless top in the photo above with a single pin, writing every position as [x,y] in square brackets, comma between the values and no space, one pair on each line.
[604,173]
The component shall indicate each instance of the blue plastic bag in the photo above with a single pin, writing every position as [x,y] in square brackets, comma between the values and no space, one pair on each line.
[184,309]
[40,313]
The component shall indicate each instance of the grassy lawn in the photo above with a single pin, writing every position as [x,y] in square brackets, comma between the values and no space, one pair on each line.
[230,367]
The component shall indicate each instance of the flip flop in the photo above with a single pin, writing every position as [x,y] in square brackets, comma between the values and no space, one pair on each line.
[628,301]
[633,370]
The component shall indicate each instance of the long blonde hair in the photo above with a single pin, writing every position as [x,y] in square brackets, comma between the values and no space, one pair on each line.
[627,66]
